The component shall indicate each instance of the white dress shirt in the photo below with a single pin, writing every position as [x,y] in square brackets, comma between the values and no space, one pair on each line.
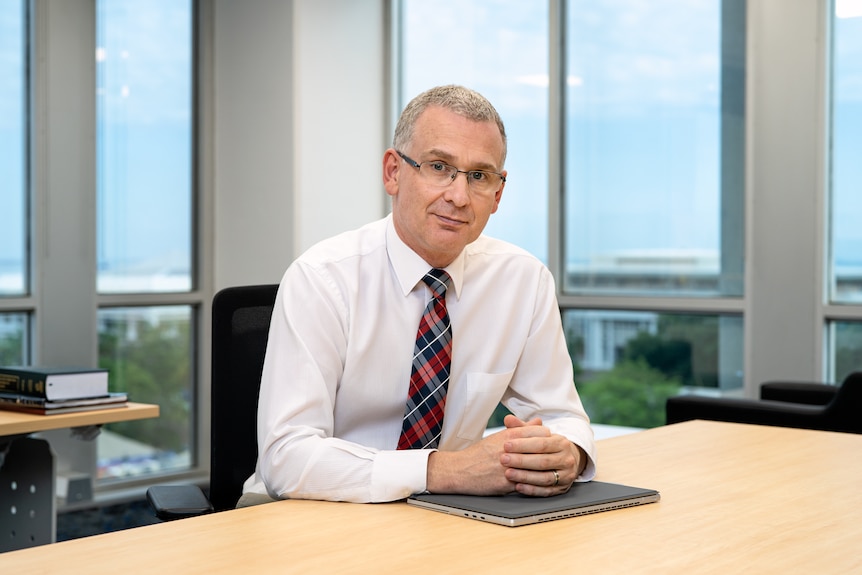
[340,350]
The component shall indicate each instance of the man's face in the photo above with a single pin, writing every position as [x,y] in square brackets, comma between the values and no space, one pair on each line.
[438,222]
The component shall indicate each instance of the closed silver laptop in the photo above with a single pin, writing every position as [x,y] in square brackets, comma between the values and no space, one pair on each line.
[514,509]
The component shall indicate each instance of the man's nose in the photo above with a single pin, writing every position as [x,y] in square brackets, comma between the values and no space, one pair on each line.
[458,191]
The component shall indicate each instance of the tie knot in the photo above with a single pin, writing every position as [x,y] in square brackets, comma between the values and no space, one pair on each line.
[438,280]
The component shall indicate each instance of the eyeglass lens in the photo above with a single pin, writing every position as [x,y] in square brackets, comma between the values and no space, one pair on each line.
[443,174]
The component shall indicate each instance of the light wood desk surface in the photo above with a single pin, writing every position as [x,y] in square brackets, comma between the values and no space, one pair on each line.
[18,423]
[735,498]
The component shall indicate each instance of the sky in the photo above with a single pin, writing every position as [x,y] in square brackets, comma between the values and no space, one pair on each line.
[11,132]
[643,111]
[643,101]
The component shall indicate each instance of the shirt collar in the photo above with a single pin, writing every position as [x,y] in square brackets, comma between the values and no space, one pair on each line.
[410,268]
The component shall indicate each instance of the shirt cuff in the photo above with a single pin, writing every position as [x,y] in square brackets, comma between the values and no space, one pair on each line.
[589,472]
[399,474]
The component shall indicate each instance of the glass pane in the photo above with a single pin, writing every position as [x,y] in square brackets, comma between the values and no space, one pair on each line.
[628,363]
[13,339]
[846,209]
[654,147]
[500,49]
[12,148]
[144,145]
[847,345]
[148,351]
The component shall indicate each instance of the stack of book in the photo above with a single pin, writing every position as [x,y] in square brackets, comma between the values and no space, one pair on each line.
[52,390]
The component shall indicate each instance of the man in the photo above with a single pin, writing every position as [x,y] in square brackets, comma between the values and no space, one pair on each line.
[337,373]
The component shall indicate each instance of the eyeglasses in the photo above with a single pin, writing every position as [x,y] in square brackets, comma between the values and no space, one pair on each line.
[441,174]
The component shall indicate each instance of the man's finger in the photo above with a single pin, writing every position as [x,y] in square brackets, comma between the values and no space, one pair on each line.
[511,421]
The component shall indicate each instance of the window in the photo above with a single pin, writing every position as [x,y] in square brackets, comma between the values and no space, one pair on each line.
[846,338]
[13,340]
[502,52]
[644,155]
[144,146]
[14,281]
[148,351]
[845,271]
[628,363]
[13,145]
[654,198]
[652,166]
[145,242]
[846,174]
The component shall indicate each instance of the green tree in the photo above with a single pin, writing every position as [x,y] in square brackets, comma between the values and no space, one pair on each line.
[11,349]
[672,357]
[701,333]
[848,355]
[632,394]
[152,367]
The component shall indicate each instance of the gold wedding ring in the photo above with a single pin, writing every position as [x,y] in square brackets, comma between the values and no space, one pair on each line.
[556,478]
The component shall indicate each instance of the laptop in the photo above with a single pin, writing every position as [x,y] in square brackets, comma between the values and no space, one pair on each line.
[514,509]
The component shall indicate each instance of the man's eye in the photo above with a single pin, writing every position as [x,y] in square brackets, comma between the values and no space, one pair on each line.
[437,166]
[478,176]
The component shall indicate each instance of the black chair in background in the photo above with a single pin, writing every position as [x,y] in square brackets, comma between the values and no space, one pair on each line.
[240,328]
[784,404]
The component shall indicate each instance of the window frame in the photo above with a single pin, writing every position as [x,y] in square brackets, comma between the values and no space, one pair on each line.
[831,311]
[783,182]
[201,291]
[62,219]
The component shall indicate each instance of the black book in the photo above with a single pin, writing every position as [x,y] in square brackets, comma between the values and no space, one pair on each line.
[54,383]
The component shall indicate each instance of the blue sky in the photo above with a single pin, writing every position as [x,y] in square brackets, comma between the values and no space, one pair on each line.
[11,131]
[644,81]
[642,128]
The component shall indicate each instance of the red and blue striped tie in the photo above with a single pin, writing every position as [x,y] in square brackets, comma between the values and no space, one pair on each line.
[429,377]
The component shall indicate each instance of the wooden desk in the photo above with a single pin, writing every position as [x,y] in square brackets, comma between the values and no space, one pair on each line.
[735,498]
[27,470]
[17,423]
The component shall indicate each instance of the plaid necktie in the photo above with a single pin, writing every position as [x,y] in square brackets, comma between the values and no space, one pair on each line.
[429,378]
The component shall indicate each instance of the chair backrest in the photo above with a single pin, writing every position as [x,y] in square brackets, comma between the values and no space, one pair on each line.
[844,412]
[841,414]
[240,328]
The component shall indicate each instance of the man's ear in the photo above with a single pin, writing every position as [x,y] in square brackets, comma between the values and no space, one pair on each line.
[391,171]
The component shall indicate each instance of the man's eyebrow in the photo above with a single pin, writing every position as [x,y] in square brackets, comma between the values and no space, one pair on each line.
[448,158]
[439,154]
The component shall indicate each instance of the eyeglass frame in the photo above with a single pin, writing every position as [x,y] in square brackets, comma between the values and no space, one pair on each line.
[410,161]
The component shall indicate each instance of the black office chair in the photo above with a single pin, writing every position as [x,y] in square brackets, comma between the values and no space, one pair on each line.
[240,328]
[784,404]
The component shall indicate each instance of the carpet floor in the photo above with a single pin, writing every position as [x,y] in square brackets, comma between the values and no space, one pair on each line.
[86,522]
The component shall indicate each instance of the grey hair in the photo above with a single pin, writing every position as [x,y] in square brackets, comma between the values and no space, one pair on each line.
[458,99]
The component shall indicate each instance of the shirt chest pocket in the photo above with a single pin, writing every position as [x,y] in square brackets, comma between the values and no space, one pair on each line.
[480,397]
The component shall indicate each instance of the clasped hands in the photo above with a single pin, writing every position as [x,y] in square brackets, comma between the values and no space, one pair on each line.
[525,457]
